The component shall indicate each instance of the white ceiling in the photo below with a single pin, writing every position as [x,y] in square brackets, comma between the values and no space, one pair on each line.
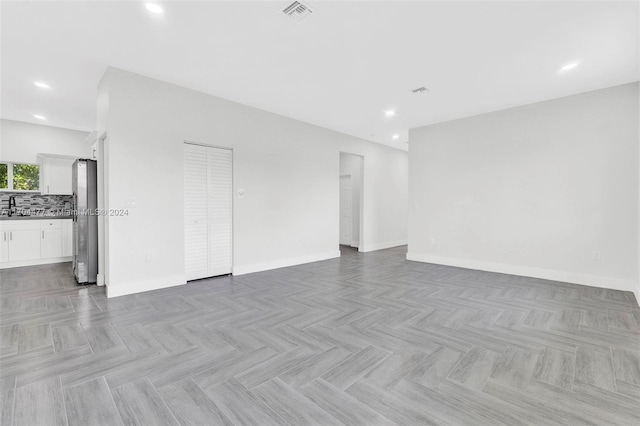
[340,68]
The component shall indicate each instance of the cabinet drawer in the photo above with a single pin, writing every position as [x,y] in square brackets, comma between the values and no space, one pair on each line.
[50,224]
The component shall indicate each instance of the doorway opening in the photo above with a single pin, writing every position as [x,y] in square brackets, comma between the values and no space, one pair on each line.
[351,201]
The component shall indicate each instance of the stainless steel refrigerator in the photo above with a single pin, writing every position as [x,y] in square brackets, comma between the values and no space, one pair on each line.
[85,221]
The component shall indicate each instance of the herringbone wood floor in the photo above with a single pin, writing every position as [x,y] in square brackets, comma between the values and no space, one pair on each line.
[366,339]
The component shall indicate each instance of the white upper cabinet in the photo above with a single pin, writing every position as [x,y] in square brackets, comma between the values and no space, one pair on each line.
[55,174]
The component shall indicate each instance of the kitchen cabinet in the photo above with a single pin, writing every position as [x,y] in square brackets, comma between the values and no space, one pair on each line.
[4,246]
[51,244]
[24,245]
[51,238]
[67,237]
[34,241]
[55,174]
[22,241]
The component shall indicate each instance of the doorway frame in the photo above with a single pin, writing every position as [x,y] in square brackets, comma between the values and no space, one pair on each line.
[350,244]
[103,206]
[361,199]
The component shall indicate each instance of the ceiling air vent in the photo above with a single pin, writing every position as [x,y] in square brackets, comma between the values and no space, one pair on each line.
[297,11]
[420,89]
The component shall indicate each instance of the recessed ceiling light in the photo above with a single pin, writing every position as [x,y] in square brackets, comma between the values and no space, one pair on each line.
[390,113]
[153,8]
[41,85]
[40,117]
[396,136]
[569,66]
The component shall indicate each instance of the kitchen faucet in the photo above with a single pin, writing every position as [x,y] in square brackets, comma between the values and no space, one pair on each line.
[12,203]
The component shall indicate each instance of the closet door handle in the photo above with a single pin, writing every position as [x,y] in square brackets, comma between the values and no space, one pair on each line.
[10,235]
[43,235]
[4,234]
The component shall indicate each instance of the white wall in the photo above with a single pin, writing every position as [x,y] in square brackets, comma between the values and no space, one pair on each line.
[288,169]
[534,190]
[351,164]
[22,142]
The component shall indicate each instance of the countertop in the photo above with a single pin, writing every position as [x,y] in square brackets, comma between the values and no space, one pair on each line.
[34,217]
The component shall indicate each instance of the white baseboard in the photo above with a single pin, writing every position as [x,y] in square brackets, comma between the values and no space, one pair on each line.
[132,287]
[525,271]
[382,246]
[283,263]
[34,262]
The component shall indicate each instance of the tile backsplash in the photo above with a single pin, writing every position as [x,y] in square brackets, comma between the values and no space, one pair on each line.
[37,202]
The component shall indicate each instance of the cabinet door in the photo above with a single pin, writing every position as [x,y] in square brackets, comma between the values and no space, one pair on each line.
[67,238]
[4,246]
[24,244]
[51,244]
[58,176]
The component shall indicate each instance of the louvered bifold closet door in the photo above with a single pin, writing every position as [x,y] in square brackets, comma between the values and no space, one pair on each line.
[207,211]
[220,210]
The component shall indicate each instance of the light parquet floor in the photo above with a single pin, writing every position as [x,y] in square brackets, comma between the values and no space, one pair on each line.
[366,339]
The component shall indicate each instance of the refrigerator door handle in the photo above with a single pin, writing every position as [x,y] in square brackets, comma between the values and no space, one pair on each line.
[74,204]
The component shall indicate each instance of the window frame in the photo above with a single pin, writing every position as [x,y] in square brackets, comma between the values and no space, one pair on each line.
[10,188]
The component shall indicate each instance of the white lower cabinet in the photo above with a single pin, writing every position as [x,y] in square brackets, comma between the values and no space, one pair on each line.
[4,246]
[51,242]
[23,241]
[34,241]
[24,244]
[67,237]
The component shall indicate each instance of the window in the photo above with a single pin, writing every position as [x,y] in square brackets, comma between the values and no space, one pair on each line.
[19,177]
[4,176]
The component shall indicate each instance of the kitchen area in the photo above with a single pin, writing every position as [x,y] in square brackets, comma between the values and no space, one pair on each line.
[48,213]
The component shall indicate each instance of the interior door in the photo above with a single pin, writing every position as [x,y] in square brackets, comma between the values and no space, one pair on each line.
[196,228]
[208,211]
[220,210]
[345,210]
